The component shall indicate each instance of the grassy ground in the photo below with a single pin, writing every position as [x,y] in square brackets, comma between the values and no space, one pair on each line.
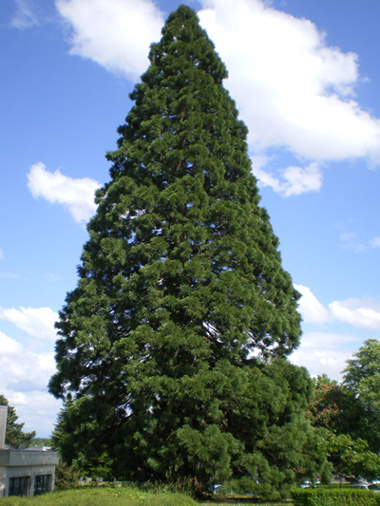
[101,496]
[124,496]
[236,502]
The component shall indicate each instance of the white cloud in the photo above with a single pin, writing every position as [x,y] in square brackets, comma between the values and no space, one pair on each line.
[311,309]
[24,17]
[37,322]
[51,277]
[361,313]
[1,254]
[24,375]
[116,34]
[375,242]
[350,242]
[292,89]
[349,236]
[357,247]
[8,275]
[8,346]
[322,352]
[37,409]
[297,180]
[22,367]
[75,194]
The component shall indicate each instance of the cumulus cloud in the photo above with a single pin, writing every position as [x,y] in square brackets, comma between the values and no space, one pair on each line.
[38,410]
[363,314]
[37,322]
[322,352]
[296,180]
[24,375]
[311,309]
[24,17]
[292,89]
[77,195]
[21,368]
[116,34]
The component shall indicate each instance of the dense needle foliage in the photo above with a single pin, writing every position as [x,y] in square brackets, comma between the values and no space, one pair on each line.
[172,350]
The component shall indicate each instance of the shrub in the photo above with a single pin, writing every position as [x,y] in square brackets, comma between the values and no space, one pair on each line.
[66,476]
[334,497]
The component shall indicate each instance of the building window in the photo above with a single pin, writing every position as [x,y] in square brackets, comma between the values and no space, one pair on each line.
[41,484]
[18,486]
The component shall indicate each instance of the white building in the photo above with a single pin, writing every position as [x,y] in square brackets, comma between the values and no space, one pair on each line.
[24,472]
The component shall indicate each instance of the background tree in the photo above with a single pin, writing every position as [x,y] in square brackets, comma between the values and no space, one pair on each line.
[344,430]
[350,457]
[14,436]
[362,378]
[172,349]
[337,408]
[42,441]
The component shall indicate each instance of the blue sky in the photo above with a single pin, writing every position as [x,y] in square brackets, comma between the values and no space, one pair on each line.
[306,80]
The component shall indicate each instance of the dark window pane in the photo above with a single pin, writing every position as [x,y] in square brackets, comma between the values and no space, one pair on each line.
[41,484]
[18,486]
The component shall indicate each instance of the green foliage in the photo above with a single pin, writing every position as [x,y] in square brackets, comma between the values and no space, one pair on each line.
[343,427]
[334,497]
[74,429]
[336,408]
[351,457]
[172,351]
[14,436]
[362,378]
[38,441]
[66,476]
[102,496]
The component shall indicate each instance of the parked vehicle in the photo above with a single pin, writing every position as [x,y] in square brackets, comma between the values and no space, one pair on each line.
[214,487]
[308,483]
[367,486]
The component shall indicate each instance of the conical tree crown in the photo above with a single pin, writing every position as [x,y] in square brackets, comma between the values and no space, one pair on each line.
[179,225]
[181,281]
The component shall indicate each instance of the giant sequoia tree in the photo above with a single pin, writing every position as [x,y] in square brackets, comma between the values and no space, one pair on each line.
[172,350]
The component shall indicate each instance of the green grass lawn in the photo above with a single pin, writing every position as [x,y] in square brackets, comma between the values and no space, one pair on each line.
[234,501]
[123,496]
[102,496]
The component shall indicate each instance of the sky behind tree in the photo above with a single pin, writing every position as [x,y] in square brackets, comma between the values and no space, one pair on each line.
[305,79]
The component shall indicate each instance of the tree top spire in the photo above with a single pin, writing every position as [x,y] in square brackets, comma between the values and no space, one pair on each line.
[183,37]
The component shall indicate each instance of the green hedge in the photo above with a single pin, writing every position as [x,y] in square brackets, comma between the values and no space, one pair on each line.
[335,497]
